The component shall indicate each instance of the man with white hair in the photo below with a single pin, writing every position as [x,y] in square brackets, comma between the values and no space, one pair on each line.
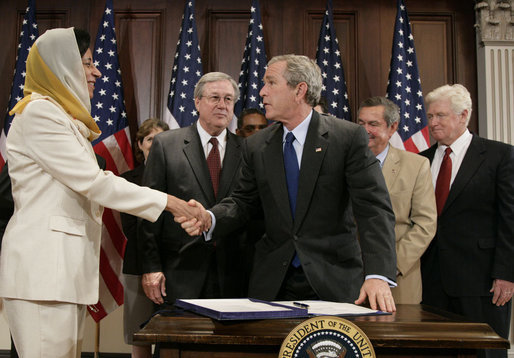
[468,268]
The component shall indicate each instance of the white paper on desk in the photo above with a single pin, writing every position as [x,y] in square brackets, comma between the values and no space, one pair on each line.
[326,308]
[235,305]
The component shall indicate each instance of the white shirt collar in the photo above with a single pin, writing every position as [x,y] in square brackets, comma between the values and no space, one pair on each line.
[382,156]
[205,137]
[459,146]
[300,131]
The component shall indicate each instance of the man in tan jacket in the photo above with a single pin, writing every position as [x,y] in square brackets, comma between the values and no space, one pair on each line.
[409,182]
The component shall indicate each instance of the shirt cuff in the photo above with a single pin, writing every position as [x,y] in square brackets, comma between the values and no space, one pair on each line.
[383,278]
[208,234]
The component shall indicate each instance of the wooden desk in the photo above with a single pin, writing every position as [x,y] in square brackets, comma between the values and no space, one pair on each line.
[413,331]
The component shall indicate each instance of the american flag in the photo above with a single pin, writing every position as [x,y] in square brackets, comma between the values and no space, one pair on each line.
[29,34]
[404,88]
[187,70]
[328,58]
[108,110]
[253,65]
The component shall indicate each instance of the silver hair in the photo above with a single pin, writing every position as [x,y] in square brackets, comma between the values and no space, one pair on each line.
[391,110]
[214,77]
[302,69]
[457,94]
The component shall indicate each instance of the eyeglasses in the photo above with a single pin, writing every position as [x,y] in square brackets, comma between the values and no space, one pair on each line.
[216,100]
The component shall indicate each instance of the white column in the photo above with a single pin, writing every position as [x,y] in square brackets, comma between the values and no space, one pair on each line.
[495,66]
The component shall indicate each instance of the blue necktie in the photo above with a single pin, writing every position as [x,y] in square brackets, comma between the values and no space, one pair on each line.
[292,175]
[292,171]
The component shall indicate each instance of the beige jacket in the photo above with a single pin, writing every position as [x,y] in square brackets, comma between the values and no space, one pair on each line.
[409,182]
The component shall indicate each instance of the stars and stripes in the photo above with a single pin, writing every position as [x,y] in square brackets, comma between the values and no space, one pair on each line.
[28,35]
[108,110]
[328,58]
[253,64]
[187,70]
[404,87]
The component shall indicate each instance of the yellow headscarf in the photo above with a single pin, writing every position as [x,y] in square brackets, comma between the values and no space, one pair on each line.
[54,69]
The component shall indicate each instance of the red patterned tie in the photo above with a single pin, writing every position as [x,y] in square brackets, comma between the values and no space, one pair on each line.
[442,185]
[214,164]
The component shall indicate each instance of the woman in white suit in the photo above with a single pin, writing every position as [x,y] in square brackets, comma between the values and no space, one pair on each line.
[49,264]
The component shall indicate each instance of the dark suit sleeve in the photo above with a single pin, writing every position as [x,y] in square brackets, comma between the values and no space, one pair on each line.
[372,208]
[6,200]
[503,266]
[149,234]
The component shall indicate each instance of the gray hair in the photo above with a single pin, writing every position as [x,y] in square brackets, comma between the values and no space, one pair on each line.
[302,69]
[391,110]
[214,77]
[457,94]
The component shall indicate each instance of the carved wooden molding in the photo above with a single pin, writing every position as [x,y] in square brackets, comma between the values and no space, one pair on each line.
[495,20]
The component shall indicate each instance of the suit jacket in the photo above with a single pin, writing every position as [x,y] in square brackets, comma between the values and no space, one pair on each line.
[177,165]
[51,247]
[336,166]
[409,182]
[474,243]
[6,201]
[131,263]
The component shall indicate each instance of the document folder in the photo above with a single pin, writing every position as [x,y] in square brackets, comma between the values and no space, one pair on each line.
[240,309]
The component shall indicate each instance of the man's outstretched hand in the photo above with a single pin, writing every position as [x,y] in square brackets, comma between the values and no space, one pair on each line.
[194,225]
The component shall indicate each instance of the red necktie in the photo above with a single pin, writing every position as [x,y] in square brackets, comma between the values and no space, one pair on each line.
[442,185]
[214,164]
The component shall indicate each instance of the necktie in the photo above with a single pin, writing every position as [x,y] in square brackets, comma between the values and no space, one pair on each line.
[442,185]
[292,171]
[292,174]
[214,164]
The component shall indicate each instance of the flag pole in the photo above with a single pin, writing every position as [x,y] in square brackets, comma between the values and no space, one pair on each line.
[97,340]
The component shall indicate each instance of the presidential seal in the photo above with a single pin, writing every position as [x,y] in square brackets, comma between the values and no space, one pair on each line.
[326,337]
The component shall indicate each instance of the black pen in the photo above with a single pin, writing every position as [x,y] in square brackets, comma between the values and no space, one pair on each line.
[301,305]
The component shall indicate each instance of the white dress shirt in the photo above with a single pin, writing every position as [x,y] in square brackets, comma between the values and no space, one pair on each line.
[459,149]
[206,137]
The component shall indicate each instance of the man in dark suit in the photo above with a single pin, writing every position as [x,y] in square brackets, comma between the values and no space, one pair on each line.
[183,162]
[468,268]
[310,249]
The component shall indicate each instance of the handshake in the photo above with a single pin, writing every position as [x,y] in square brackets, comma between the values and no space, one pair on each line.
[191,215]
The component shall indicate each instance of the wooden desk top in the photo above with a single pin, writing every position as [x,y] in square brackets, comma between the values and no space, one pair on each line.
[412,326]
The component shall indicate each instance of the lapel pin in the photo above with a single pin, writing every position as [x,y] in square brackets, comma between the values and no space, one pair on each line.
[318,149]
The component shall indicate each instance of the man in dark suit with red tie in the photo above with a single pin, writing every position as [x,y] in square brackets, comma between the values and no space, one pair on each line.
[202,162]
[469,267]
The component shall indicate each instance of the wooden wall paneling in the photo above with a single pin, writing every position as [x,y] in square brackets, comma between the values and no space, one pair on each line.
[434,41]
[274,26]
[375,25]
[226,40]
[466,54]
[141,61]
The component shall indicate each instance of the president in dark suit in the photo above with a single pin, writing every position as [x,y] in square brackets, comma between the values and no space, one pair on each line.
[468,268]
[310,249]
[201,162]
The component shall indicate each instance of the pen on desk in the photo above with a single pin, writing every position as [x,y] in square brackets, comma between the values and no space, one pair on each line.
[301,305]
